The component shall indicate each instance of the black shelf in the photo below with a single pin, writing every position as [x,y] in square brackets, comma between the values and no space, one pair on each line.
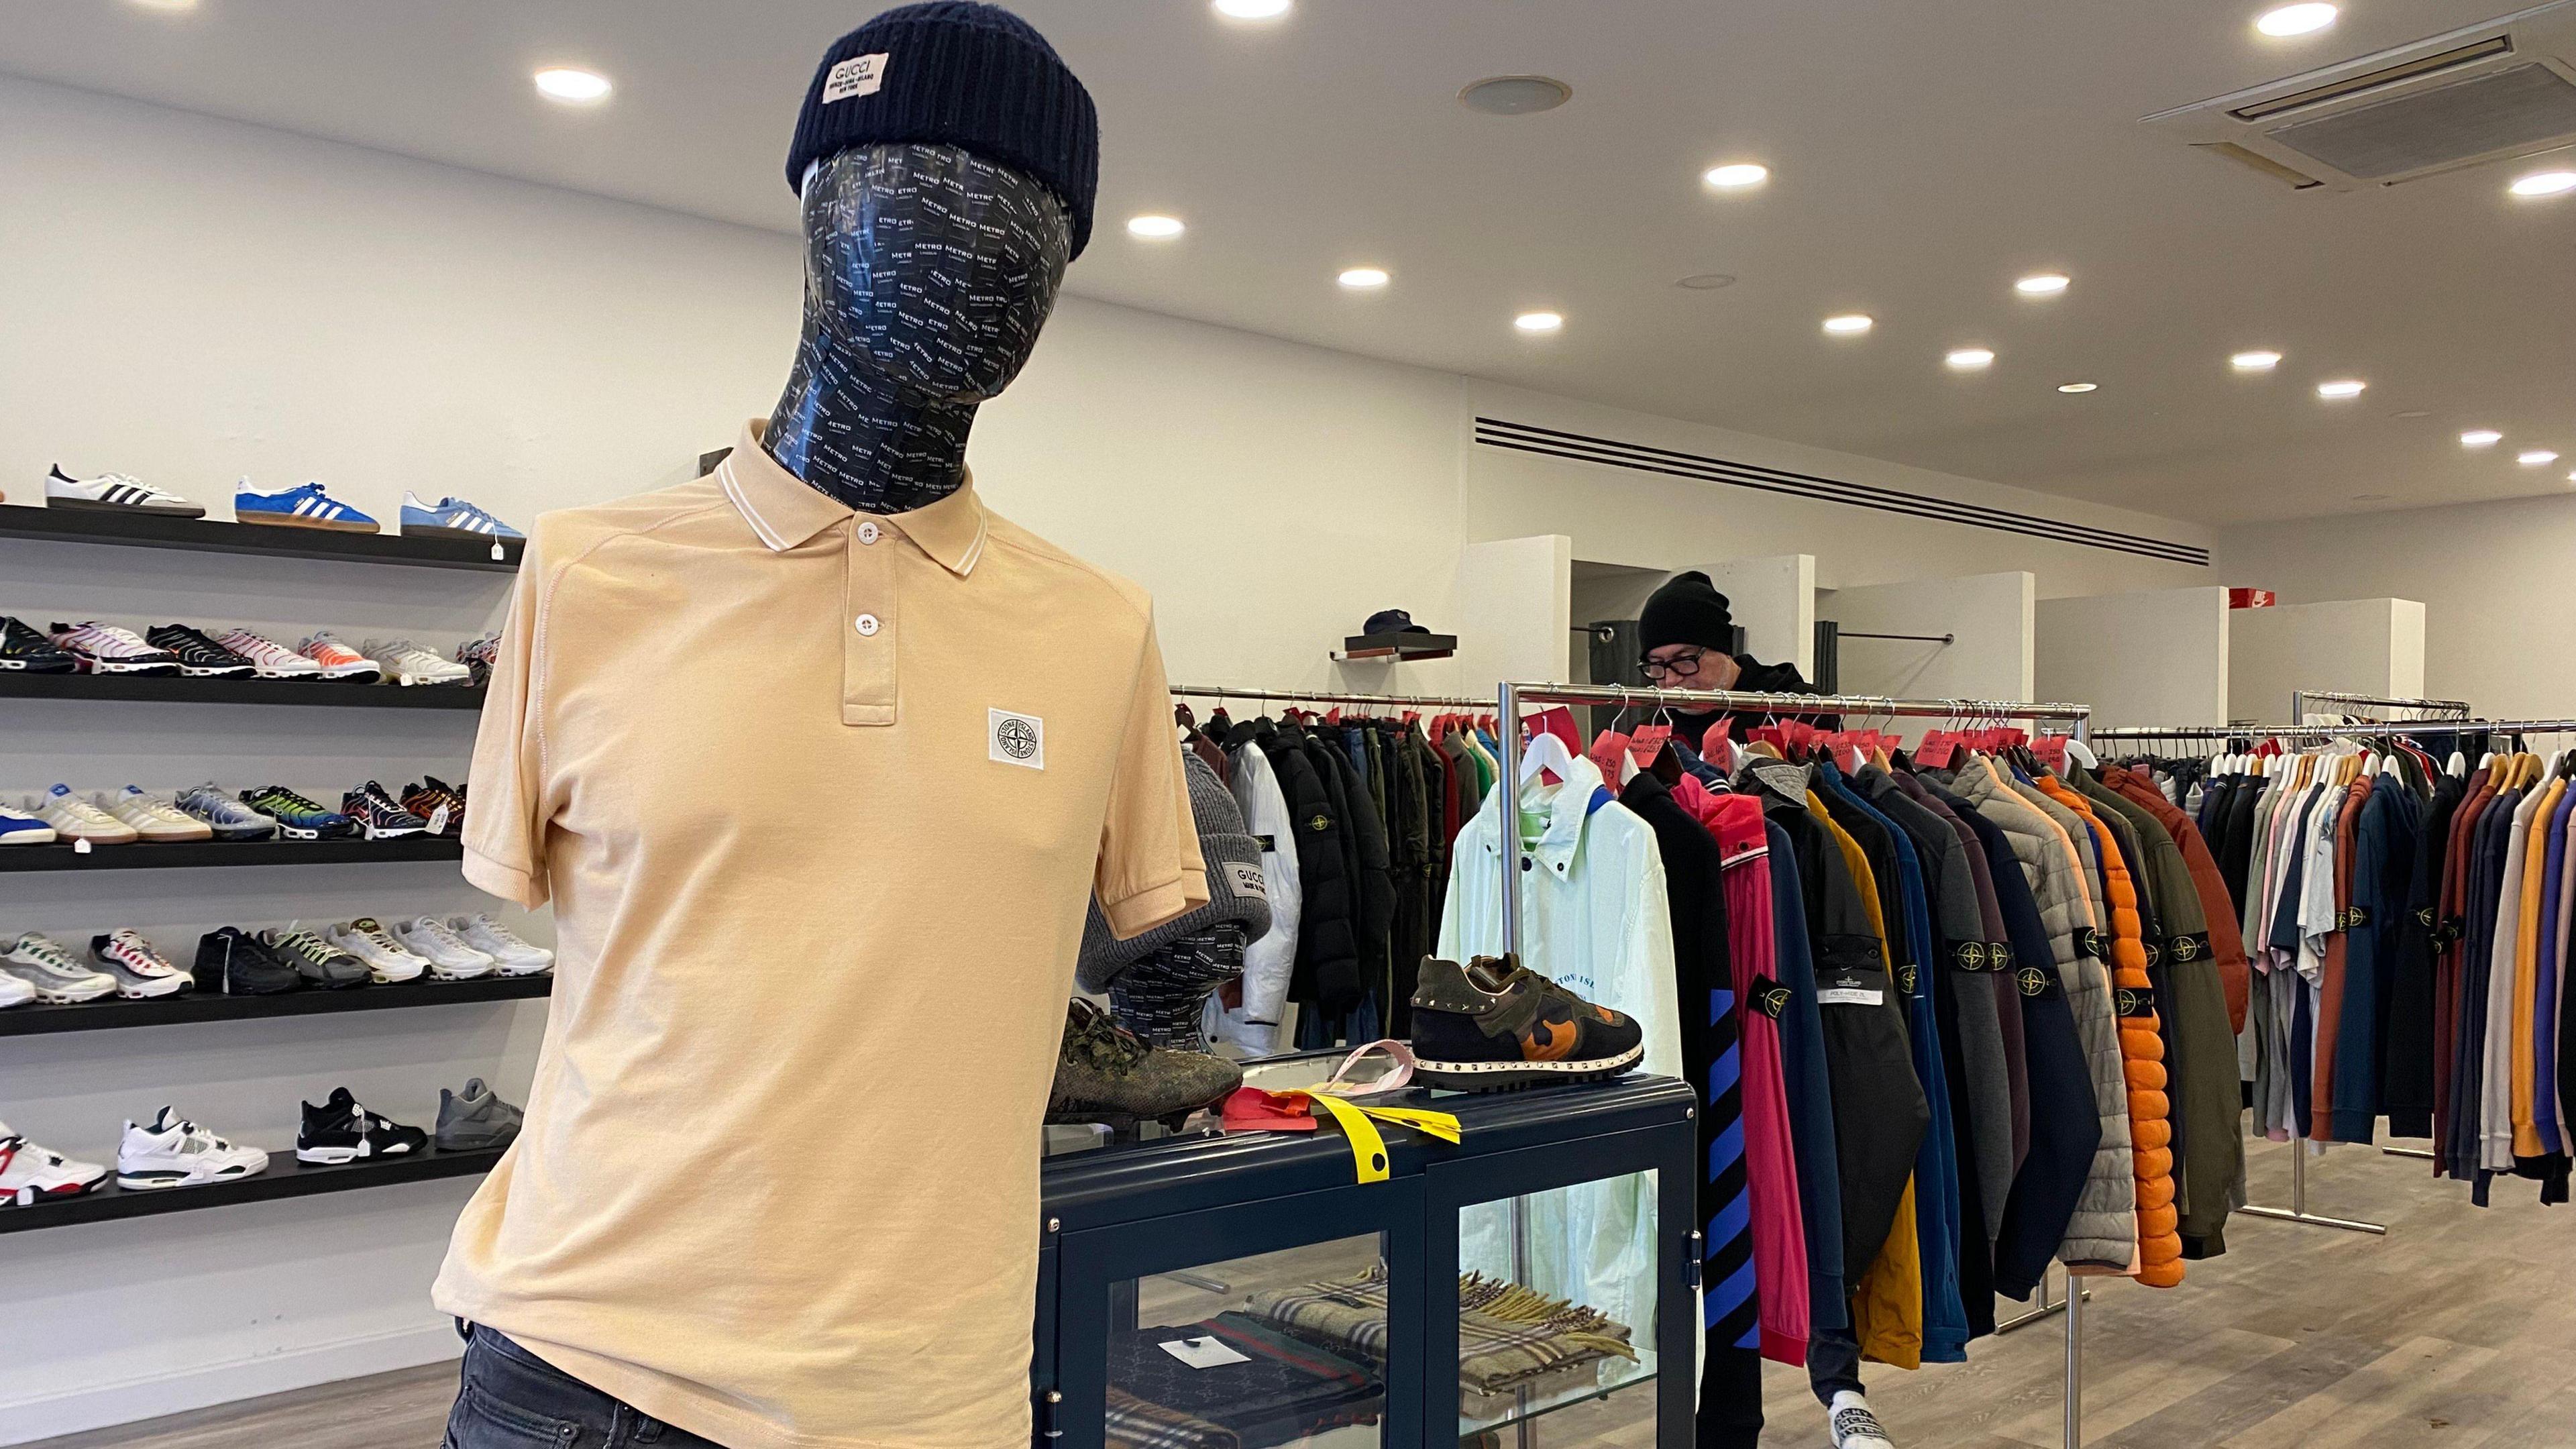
[199,1005]
[285,1178]
[178,689]
[146,855]
[198,535]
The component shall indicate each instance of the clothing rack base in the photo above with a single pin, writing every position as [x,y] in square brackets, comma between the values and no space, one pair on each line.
[2297,1211]
[2049,1307]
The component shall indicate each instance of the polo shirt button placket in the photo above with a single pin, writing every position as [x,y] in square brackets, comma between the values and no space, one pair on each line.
[867,626]
[868,658]
[870,533]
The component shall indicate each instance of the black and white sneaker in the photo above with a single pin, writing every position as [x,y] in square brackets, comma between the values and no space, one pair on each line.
[379,815]
[110,649]
[340,1130]
[1853,1426]
[25,651]
[199,656]
[115,493]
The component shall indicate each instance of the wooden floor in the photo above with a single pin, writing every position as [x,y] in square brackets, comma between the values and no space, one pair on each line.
[2458,1329]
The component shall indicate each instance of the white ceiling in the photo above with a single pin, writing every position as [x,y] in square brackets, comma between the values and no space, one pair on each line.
[1923,155]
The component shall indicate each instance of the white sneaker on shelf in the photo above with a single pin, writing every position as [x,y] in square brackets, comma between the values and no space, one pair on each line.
[153,817]
[268,658]
[74,818]
[368,940]
[407,663]
[56,975]
[514,955]
[450,956]
[140,972]
[339,661]
[174,1152]
[115,493]
[30,1174]
[15,991]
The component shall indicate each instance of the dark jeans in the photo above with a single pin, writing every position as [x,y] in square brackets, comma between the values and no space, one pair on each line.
[1833,1365]
[508,1398]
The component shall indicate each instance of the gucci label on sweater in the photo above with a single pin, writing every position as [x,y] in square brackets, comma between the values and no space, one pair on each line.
[1770,997]
[860,75]
[1246,879]
[2032,980]
[1017,739]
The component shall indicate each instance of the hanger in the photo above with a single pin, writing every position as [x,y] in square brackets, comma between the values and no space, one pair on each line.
[1545,752]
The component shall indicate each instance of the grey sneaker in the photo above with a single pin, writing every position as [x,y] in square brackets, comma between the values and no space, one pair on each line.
[1107,1074]
[474,1120]
[321,964]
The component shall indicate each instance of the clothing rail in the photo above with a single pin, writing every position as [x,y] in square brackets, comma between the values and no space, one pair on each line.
[1508,705]
[1401,701]
[2300,699]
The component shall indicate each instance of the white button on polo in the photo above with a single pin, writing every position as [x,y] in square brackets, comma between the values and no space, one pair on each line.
[867,626]
[870,533]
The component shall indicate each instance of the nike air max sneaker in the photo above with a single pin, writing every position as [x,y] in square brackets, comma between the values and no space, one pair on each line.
[24,827]
[199,657]
[226,817]
[368,940]
[1493,1025]
[451,518]
[268,658]
[153,817]
[233,962]
[340,1130]
[450,957]
[50,969]
[14,992]
[323,966]
[298,818]
[115,493]
[305,507]
[476,655]
[428,798]
[75,819]
[514,956]
[30,1174]
[407,663]
[98,648]
[379,817]
[475,1120]
[140,971]
[24,651]
[175,1152]
[339,662]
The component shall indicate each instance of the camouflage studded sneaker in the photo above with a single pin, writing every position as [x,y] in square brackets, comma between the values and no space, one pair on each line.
[1492,1025]
[1107,1074]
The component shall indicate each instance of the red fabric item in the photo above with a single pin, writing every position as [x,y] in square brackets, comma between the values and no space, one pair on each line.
[1560,723]
[1251,1109]
[1770,1162]
[2329,1020]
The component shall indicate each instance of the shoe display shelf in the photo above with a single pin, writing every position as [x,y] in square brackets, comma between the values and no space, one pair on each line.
[147,855]
[178,689]
[189,1007]
[285,1177]
[269,540]
[1146,1242]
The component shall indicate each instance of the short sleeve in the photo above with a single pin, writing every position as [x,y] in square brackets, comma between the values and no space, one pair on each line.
[1149,870]
[505,829]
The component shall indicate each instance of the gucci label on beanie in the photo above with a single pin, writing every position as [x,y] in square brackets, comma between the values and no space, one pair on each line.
[860,75]
[1246,879]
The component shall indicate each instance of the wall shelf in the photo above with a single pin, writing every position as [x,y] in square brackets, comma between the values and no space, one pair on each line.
[285,1178]
[178,689]
[173,856]
[200,1005]
[198,535]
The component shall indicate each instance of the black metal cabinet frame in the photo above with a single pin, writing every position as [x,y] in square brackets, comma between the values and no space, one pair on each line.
[1121,1213]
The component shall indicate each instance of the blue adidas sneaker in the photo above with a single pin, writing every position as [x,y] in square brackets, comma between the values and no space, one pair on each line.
[305,507]
[451,518]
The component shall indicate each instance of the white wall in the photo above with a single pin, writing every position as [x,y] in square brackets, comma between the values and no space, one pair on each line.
[2155,657]
[1989,617]
[2354,646]
[189,300]
[2500,618]
[1775,600]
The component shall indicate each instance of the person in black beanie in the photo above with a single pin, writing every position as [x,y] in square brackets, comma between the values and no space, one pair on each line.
[1688,634]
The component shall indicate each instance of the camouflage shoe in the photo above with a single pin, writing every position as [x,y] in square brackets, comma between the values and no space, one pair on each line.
[1493,1025]
[1107,1074]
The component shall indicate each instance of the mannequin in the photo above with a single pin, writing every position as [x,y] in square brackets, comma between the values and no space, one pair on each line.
[928,272]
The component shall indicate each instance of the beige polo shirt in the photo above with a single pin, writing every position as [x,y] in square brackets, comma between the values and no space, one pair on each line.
[819,799]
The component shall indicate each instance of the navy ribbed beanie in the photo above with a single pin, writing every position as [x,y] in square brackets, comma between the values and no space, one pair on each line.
[957,73]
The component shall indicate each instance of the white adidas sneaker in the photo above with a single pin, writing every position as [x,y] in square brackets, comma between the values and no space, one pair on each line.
[75,819]
[151,816]
[116,493]
[174,1152]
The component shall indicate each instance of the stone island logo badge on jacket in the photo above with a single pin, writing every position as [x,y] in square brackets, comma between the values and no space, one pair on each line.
[1771,996]
[2189,948]
[2155,954]
[2032,980]
[2130,1002]
[1972,955]
[1905,978]
[1018,739]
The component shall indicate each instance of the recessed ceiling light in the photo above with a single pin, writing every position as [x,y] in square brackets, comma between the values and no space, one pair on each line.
[1706,281]
[170,6]
[2535,458]
[2077,386]
[1736,177]
[1361,279]
[572,87]
[1538,321]
[2255,361]
[1969,359]
[2370,498]
[1850,324]
[2545,183]
[2295,20]
[2480,438]
[1515,95]
[1155,228]
[2348,387]
[2411,413]
[1252,9]
[2045,284]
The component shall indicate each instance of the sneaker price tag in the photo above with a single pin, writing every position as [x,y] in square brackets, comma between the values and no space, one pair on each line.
[438,821]
[1203,1353]
[497,554]
[81,846]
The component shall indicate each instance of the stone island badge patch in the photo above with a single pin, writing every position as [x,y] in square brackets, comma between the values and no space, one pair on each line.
[2031,979]
[1906,977]
[2129,1001]
[860,75]
[1770,997]
[2088,941]
[2189,948]
[1319,822]
[1017,739]
[1971,955]
[2155,954]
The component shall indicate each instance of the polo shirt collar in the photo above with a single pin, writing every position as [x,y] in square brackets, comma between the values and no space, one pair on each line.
[784,512]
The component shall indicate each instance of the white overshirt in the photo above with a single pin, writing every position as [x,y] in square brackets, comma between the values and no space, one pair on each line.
[1594,918]
[1270,961]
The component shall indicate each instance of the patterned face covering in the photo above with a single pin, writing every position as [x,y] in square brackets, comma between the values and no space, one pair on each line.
[928,274]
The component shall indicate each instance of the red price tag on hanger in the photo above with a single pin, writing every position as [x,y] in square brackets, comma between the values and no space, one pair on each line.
[2051,750]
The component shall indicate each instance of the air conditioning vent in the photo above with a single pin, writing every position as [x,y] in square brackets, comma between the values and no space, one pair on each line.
[2487,92]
